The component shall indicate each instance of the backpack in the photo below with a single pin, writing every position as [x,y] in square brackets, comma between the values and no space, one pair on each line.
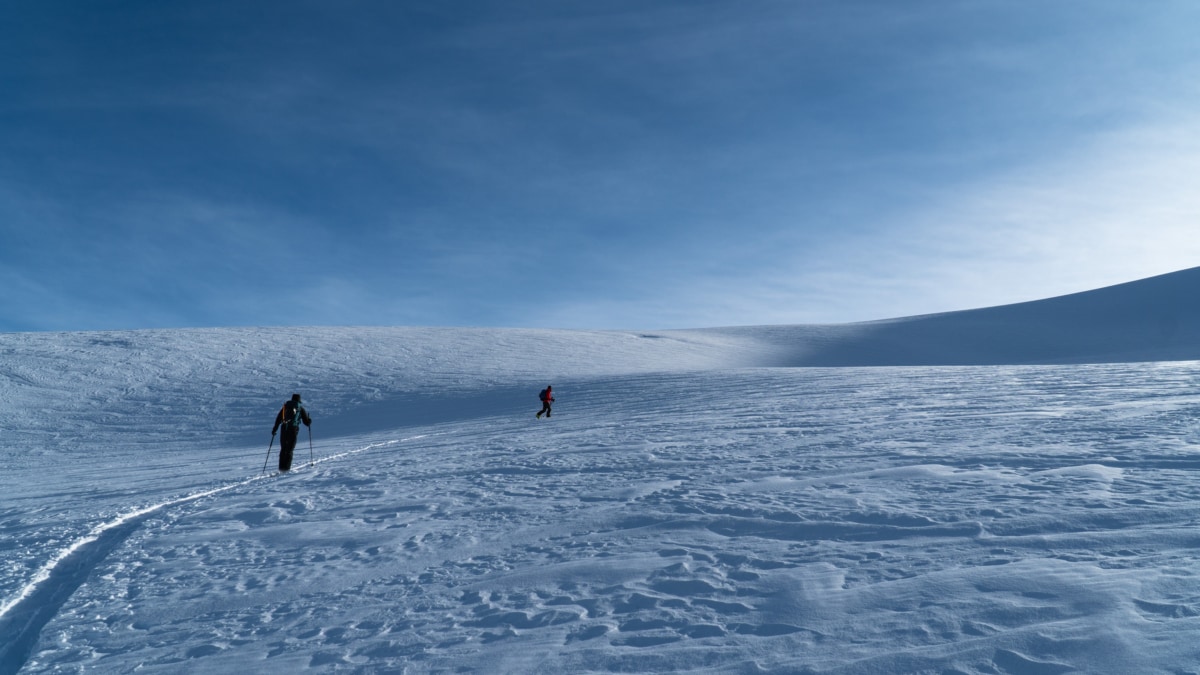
[544,395]
[291,415]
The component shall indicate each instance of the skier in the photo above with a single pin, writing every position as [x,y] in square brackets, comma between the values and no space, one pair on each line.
[290,416]
[547,397]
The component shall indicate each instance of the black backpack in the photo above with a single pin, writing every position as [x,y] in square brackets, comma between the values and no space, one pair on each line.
[291,415]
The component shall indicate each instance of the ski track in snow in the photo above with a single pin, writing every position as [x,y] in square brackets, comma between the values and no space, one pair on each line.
[942,520]
[22,617]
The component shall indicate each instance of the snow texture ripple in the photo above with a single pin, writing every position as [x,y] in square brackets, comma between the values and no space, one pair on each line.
[684,511]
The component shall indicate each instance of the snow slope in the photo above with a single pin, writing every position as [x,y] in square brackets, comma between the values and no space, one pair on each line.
[696,504]
[1153,319]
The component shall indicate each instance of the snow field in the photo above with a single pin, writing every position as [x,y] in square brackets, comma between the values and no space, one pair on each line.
[950,520]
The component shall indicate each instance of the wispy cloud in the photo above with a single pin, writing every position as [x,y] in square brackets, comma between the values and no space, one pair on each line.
[1117,211]
[685,163]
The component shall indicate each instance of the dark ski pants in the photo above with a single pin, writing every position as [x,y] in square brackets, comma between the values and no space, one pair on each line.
[545,409]
[287,443]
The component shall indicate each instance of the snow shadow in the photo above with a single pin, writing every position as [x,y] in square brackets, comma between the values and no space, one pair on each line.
[21,626]
[1150,320]
[419,408]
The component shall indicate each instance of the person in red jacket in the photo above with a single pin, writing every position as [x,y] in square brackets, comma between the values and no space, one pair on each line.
[547,397]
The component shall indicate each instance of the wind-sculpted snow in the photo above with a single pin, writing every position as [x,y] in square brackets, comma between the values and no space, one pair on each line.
[693,506]
[969,520]
[164,385]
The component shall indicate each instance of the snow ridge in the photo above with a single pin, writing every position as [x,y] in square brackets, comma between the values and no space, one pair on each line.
[1153,319]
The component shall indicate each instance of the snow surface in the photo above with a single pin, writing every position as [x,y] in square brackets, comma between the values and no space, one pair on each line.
[697,503]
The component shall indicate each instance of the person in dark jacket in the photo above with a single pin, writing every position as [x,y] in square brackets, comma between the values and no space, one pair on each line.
[547,397]
[290,416]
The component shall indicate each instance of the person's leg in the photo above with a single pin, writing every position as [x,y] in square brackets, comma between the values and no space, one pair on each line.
[287,443]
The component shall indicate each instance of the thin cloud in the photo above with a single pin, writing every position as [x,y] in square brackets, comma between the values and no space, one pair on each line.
[587,166]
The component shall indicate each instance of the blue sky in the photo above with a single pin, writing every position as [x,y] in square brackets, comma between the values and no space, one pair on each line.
[586,164]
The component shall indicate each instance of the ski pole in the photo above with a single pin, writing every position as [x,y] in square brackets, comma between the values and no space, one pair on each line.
[268,454]
[310,452]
